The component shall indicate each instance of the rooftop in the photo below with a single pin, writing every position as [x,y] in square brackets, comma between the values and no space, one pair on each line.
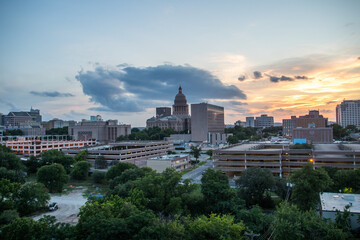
[169,157]
[337,201]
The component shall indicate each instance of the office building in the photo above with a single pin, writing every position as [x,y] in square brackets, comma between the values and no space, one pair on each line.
[250,122]
[348,113]
[313,135]
[206,118]
[102,131]
[163,112]
[177,162]
[264,121]
[312,120]
[14,119]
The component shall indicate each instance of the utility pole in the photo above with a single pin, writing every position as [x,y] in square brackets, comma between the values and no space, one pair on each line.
[252,235]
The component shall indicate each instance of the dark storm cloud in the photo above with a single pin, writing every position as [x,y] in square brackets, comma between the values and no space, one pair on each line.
[301,77]
[132,89]
[257,75]
[51,94]
[282,78]
[242,78]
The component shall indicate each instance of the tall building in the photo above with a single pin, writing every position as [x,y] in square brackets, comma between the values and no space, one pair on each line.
[102,131]
[264,121]
[180,107]
[250,122]
[206,118]
[312,120]
[179,121]
[348,113]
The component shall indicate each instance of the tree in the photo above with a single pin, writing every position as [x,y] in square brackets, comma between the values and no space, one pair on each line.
[12,175]
[195,151]
[100,162]
[98,177]
[232,139]
[342,219]
[254,219]
[209,152]
[254,182]
[81,170]
[53,177]
[308,184]
[23,228]
[217,193]
[32,164]
[338,131]
[9,160]
[215,227]
[117,169]
[81,156]
[30,198]
[7,189]
[8,216]
[55,156]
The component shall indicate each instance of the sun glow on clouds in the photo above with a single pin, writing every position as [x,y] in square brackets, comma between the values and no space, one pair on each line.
[324,82]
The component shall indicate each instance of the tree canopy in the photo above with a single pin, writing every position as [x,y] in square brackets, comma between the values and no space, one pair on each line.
[53,177]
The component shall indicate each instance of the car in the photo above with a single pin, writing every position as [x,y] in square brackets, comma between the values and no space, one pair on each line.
[53,206]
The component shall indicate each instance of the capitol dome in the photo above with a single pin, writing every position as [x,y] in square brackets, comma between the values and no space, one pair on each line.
[180,99]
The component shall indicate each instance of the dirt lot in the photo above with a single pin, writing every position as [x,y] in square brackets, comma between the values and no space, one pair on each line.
[69,206]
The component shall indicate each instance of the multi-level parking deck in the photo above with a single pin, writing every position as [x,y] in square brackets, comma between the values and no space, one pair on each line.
[281,160]
[135,152]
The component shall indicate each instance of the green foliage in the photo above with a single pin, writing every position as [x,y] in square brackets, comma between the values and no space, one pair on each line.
[254,219]
[8,216]
[308,184]
[80,170]
[7,190]
[253,183]
[32,164]
[342,219]
[291,223]
[81,156]
[232,139]
[98,177]
[57,131]
[13,132]
[12,175]
[242,133]
[9,160]
[44,229]
[347,179]
[215,227]
[280,187]
[179,148]
[154,133]
[55,156]
[100,162]
[338,131]
[209,152]
[30,198]
[217,193]
[53,177]
[195,151]
[301,146]
[117,170]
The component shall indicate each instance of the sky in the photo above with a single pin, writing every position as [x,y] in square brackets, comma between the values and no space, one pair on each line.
[121,59]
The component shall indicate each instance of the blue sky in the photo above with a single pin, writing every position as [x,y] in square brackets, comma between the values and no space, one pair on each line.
[49,50]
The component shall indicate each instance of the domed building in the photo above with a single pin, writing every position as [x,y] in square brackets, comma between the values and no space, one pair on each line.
[180,107]
[179,121]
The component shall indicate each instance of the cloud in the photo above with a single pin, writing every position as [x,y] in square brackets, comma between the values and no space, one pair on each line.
[133,89]
[330,102]
[257,75]
[51,94]
[242,78]
[282,78]
[238,103]
[9,104]
[301,77]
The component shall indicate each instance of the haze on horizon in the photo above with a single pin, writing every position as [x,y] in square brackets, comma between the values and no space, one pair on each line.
[121,59]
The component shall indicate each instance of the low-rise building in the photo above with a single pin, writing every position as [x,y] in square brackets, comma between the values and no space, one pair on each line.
[331,203]
[35,147]
[313,135]
[177,162]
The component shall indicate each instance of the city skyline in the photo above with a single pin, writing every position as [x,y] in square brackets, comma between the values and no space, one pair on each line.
[123,59]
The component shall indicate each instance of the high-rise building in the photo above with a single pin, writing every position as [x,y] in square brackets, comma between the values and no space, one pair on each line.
[250,122]
[264,121]
[312,120]
[348,113]
[206,118]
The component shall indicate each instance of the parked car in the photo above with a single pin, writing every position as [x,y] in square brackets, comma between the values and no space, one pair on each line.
[53,206]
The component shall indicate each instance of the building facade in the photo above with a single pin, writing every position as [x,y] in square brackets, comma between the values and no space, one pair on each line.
[179,121]
[250,122]
[348,113]
[102,131]
[177,162]
[206,118]
[312,120]
[264,121]
[14,119]
[313,135]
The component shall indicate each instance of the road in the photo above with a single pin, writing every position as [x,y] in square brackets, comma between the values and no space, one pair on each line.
[69,207]
[197,173]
